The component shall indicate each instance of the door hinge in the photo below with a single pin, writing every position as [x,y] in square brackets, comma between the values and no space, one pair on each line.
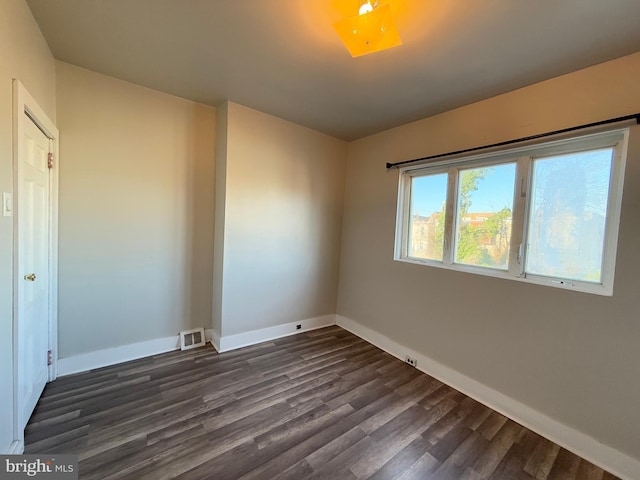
[49,357]
[50,160]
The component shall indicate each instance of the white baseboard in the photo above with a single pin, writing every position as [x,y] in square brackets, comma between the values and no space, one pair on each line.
[115,355]
[16,448]
[125,353]
[587,447]
[213,337]
[232,342]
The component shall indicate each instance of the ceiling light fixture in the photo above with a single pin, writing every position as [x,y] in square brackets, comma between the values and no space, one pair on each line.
[365,8]
[372,30]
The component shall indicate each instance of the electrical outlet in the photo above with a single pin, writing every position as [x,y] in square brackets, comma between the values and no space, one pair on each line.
[298,327]
[411,361]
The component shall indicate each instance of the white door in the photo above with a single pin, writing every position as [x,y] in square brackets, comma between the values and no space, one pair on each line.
[33,269]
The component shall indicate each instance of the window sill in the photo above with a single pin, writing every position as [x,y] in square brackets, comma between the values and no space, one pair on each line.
[572,285]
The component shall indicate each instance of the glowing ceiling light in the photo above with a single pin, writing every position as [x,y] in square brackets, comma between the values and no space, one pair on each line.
[365,8]
[372,30]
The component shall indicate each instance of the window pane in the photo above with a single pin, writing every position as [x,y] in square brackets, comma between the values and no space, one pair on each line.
[567,215]
[426,224]
[483,223]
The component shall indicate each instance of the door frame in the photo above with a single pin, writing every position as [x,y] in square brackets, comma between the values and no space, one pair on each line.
[24,103]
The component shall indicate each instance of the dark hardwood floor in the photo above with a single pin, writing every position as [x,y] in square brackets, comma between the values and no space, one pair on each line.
[318,405]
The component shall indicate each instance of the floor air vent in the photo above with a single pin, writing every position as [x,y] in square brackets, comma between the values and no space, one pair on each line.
[192,338]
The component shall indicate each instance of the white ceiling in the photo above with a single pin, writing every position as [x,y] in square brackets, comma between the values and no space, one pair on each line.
[284,58]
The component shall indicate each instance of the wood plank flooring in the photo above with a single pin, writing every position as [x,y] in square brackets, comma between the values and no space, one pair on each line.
[318,405]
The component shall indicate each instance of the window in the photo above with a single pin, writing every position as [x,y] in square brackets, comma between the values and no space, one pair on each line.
[484,215]
[426,232]
[545,214]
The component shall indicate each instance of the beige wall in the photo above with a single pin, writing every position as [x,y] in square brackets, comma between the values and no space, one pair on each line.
[282,224]
[136,212]
[24,55]
[571,356]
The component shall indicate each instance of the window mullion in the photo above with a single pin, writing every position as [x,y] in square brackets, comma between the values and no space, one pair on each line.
[517,249]
[452,200]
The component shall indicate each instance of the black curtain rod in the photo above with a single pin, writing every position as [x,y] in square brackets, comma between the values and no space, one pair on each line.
[635,116]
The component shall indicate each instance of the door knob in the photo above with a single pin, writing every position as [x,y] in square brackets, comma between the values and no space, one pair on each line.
[31,277]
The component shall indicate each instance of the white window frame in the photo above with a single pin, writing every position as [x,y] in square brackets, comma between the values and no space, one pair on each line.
[523,157]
